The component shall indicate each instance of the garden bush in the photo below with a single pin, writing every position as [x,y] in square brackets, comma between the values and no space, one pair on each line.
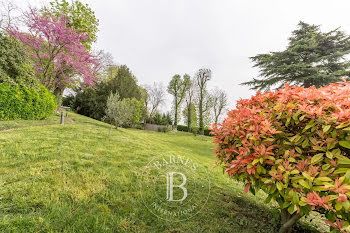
[19,102]
[183,128]
[160,119]
[194,130]
[21,94]
[125,113]
[92,101]
[164,129]
[15,65]
[293,144]
[207,132]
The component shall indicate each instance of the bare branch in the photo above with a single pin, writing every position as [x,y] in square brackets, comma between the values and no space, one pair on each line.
[219,103]
[156,97]
[10,15]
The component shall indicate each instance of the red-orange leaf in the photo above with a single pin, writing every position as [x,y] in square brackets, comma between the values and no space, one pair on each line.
[246,188]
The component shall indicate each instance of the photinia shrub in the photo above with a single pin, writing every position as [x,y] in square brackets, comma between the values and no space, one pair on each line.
[293,144]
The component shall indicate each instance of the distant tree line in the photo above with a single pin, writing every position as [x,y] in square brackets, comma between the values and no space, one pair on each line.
[200,107]
[117,98]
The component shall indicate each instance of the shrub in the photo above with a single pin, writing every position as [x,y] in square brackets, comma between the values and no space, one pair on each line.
[163,129]
[137,109]
[189,114]
[160,119]
[92,102]
[19,102]
[183,128]
[68,101]
[207,132]
[126,112]
[294,145]
[195,131]
[21,94]
[15,66]
[139,126]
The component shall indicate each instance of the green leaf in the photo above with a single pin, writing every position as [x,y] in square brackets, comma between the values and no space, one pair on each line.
[325,166]
[317,158]
[319,188]
[345,144]
[336,152]
[298,150]
[346,205]
[343,160]
[308,126]
[268,199]
[255,161]
[302,203]
[279,186]
[295,198]
[338,206]
[326,128]
[324,179]
[329,155]
[305,143]
[294,172]
[304,184]
[342,125]
[307,176]
[347,176]
[291,209]
[341,170]
[285,205]
[331,145]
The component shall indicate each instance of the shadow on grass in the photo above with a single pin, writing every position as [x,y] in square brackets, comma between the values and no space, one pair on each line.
[251,216]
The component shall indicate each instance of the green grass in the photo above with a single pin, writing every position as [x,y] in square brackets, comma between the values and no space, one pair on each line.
[54,119]
[78,178]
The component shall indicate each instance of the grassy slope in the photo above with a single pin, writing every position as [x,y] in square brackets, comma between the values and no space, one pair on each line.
[76,178]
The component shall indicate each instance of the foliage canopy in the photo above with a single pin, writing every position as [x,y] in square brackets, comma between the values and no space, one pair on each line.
[15,65]
[79,16]
[312,58]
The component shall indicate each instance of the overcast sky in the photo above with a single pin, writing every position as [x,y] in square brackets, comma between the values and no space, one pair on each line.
[160,38]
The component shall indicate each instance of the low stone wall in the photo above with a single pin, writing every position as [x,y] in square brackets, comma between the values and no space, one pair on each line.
[155,127]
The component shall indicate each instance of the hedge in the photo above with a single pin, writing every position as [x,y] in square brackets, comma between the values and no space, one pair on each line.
[19,102]
[184,128]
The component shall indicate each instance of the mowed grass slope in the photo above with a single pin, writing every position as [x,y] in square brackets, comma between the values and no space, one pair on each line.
[78,178]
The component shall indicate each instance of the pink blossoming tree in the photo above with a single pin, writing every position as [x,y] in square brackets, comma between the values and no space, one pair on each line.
[60,59]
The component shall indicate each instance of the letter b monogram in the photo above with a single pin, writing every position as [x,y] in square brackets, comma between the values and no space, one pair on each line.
[171,185]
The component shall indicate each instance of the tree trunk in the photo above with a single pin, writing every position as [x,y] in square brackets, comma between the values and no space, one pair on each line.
[216,119]
[288,221]
[58,92]
[175,117]
[189,118]
[201,124]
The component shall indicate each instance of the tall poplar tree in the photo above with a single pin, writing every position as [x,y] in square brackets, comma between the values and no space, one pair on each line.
[177,88]
[204,100]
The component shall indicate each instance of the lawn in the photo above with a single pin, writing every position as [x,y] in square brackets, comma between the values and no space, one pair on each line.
[82,177]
